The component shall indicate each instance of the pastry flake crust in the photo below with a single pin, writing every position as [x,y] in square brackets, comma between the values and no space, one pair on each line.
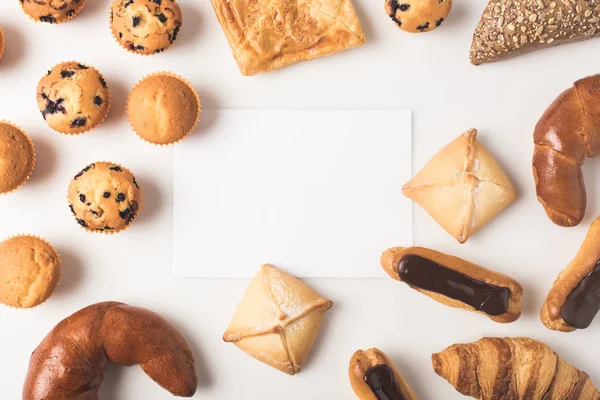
[462,187]
[268,34]
[278,320]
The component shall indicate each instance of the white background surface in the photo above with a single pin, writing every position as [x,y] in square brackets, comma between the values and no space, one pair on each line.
[427,73]
[312,199]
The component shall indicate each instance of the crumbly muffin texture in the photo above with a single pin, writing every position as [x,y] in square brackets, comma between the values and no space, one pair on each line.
[163,109]
[52,11]
[418,15]
[17,158]
[29,271]
[104,197]
[145,26]
[73,98]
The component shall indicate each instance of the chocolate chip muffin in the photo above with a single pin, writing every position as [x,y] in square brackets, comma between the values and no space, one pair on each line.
[163,108]
[418,15]
[52,11]
[73,98]
[29,271]
[104,197]
[17,157]
[145,26]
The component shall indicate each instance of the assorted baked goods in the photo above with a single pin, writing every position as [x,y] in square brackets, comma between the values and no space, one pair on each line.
[574,299]
[69,363]
[266,35]
[17,157]
[73,98]
[52,11]
[511,368]
[455,282]
[104,197]
[462,187]
[29,271]
[145,26]
[567,134]
[163,108]
[418,15]
[509,28]
[373,376]
[277,320]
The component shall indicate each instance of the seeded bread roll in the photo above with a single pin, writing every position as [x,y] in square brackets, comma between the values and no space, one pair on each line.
[52,11]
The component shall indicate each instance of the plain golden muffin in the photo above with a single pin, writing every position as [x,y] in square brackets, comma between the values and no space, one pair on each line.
[17,157]
[104,197]
[73,98]
[145,26]
[52,11]
[29,271]
[163,109]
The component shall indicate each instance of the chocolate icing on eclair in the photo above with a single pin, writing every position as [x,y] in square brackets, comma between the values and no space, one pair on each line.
[425,274]
[382,382]
[583,303]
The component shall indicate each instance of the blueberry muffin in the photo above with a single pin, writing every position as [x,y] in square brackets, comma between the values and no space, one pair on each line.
[29,271]
[73,98]
[145,26]
[1,43]
[163,108]
[104,197]
[52,11]
[418,15]
[17,157]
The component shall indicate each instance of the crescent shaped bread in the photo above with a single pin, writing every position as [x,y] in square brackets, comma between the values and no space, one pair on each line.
[277,320]
[391,258]
[266,35]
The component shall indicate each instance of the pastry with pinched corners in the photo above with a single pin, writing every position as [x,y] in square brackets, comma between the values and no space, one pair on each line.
[462,187]
[418,15]
[278,320]
[52,11]
[266,35]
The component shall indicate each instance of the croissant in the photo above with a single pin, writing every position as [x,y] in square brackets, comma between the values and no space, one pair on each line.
[512,368]
[70,361]
[567,133]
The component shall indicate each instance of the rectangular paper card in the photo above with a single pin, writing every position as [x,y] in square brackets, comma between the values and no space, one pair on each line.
[316,193]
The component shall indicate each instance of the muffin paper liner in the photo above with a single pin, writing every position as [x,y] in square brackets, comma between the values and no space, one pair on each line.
[107,109]
[172,75]
[76,13]
[110,21]
[2,43]
[2,121]
[112,231]
[59,271]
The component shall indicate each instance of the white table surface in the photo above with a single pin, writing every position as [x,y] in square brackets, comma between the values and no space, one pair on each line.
[429,74]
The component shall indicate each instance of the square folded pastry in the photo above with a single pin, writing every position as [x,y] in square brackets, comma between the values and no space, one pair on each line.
[278,319]
[268,34]
[462,187]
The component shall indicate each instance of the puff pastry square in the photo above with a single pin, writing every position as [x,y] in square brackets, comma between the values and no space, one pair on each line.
[268,34]
[462,187]
[278,319]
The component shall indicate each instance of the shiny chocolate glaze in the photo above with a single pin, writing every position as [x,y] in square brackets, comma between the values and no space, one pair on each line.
[583,303]
[382,382]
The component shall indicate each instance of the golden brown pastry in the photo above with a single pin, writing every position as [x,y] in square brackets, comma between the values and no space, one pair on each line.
[509,28]
[567,133]
[512,368]
[462,187]
[266,35]
[52,11]
[373,376]
[418,15]
[70,361]
[455,282]
[278,320]
[574,299]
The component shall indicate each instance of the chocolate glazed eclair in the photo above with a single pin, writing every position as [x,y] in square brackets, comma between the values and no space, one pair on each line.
[374,377]
[455,282]
[574,299]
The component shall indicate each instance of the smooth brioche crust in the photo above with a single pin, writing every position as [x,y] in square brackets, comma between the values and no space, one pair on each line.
[29,271]
[17,157]
[391,258]
[264,38]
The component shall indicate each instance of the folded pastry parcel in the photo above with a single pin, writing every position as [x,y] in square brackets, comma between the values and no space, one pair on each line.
[266,35]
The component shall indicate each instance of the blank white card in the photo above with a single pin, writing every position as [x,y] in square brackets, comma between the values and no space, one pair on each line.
[316,193]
